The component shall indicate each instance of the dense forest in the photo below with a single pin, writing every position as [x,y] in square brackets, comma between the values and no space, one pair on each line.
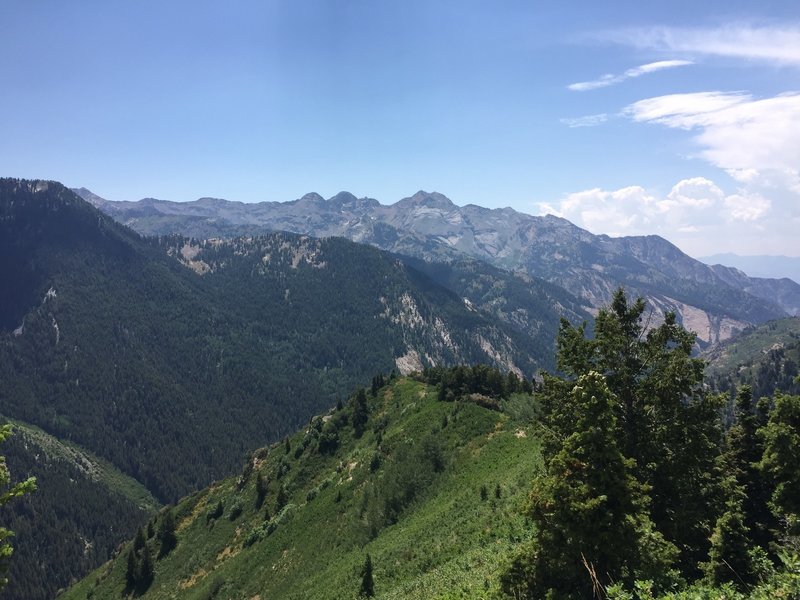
[172,358]
[618,478]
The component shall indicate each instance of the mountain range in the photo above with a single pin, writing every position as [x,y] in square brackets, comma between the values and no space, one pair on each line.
[169,357]
[776,267]
[713,301]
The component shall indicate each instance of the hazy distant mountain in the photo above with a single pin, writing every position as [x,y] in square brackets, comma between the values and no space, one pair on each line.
[759,266]
[715,302]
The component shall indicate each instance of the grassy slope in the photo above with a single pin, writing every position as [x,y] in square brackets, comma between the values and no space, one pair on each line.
[447,543]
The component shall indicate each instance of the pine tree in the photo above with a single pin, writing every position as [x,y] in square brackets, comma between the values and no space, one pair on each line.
[138,541]
[360,411]
[367,589]
[166,534]
[665,421]
[744,451]
[146,573]
[730,558]
[281,499]
[592,526]
[781,460]
[261,490]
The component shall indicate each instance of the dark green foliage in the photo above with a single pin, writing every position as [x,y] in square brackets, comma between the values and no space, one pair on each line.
[216,512]
[744,452]
[72,506]
[781,460]
[590,512]
[731,553]
[138,541]
[359,412]
[484,491]
[328,439]
[377,383]
[480,383]
[236,511]
[665,421]
[281,499]
[367,588]
[166,537]
[261,490]
[8,492]
[139,570]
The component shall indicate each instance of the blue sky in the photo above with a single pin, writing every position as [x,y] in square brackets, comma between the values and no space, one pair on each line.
[680,119]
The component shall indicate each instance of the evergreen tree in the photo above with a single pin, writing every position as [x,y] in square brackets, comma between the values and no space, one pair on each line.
[360,411]
[592,525]
[131,571]
[146,572]
[730,557]
[744,451]
[261,490]
[367,589]
[665,421]
[781,460]
[281,499]
[7,493]
[138,541]
[166,534]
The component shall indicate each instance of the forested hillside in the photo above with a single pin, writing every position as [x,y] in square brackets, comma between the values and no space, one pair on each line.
[767,358]
[431,490]
[618,479]
[82,509]
[171,358]
[714,302]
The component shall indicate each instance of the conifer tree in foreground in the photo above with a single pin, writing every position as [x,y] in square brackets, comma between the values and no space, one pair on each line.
[589,512]
[665,421]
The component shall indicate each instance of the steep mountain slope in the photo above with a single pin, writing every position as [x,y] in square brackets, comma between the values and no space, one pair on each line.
[432,491]
[171,358]
[82,509]
[714,302]
[766,357]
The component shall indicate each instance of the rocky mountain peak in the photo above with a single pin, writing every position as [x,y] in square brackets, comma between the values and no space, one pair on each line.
[343,198]
[312,197]
[428,200]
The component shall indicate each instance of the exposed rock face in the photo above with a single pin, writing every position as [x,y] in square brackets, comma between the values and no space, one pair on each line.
[430,226]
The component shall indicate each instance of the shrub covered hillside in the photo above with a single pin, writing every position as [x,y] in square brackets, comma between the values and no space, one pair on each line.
[432,491]
[618,479]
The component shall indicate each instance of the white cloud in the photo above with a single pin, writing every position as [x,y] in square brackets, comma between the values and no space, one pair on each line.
[695,214]
[756,141]
[607,80]
[779,44]
[747,207]
[587,121]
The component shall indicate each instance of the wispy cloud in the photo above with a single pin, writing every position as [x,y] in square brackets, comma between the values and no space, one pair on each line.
[779,43]
[607,80]
[587,121]
[736,132]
